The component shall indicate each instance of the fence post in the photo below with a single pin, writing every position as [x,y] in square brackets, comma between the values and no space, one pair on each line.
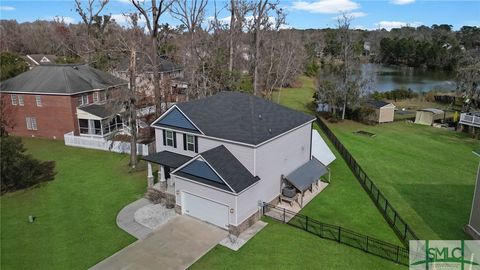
[306,223]
[405,233]
[284,216]
[339,233]
[378,194]
[398,251]
[394,218]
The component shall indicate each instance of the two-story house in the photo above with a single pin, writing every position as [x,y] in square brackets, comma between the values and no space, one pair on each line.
[223,155]
[51,100]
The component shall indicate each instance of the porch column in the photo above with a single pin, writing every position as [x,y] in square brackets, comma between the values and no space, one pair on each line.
[161,174]
[149,175]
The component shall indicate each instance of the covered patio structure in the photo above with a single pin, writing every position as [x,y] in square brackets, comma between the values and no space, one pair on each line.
[166,161]
[306,181]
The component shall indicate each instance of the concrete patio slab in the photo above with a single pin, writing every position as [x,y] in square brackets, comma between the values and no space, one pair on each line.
[235,243]
[175,245]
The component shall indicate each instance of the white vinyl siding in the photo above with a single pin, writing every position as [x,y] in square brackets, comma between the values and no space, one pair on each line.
[20,100]
[190,143]
[31,123]
[38,101]
[169,137]
[14,99]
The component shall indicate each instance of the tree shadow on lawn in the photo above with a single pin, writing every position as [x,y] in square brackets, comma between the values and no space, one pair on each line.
[445,209]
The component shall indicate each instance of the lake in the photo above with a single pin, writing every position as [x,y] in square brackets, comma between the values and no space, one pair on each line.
[387,78]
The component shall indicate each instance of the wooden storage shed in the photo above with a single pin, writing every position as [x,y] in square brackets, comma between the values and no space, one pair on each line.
[384,111]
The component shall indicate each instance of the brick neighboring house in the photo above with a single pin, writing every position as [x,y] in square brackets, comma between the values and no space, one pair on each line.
[46,100]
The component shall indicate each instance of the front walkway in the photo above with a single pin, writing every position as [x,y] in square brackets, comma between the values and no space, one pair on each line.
[126,219]
[175,245]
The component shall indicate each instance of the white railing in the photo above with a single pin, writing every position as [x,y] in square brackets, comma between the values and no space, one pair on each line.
[467,118]
[103,144]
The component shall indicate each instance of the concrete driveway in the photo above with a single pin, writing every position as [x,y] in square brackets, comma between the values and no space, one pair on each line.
[175,245]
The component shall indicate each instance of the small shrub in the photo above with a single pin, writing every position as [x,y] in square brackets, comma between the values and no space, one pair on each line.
[19,170]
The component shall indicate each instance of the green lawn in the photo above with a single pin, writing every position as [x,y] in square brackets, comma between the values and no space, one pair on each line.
[279,246]
[427,173]
[75,225]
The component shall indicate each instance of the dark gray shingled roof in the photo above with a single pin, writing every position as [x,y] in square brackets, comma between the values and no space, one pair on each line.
[100,110]
[303,177]
[242,117]
[60,79]
[378,103]
[229,168]
[167,158]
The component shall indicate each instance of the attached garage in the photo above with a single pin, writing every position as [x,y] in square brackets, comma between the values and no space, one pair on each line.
[208,188]
[205,209]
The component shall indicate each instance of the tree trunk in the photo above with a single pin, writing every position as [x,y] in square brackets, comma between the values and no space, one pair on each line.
[132,109]
[232,30]
[256,62]
[156,76]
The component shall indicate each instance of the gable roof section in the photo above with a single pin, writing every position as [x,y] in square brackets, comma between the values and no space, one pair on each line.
[60,79]
[176,119]
[242,117]
[229,168]
[199,171]
[218,167]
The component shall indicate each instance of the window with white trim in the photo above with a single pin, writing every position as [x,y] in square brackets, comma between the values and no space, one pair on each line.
[31,123]
[82,100]
[20,100]
[95,97]
[14,99]
[190,142]
[169,138]
[38,100]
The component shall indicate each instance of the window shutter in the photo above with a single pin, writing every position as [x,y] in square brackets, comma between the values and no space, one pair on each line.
[184,141]
[196,144]
[175,139]
[164,137]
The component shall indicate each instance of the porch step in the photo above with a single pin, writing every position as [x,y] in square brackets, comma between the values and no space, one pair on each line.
[154,195]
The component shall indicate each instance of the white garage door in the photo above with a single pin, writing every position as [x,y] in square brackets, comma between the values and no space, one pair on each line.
[205,209]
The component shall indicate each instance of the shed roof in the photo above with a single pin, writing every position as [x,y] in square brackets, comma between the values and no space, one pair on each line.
[303,177]
[431,110]
[378,103]
[61,79]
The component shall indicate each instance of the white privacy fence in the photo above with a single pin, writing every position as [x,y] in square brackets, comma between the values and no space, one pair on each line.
[103,144]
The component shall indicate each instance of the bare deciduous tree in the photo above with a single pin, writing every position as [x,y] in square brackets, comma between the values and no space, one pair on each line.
[152,22]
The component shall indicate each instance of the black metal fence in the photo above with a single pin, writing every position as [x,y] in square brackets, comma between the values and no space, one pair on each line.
[401,228]
[339,234]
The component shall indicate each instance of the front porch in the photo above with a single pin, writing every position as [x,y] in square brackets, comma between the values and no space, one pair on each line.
[165,162]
